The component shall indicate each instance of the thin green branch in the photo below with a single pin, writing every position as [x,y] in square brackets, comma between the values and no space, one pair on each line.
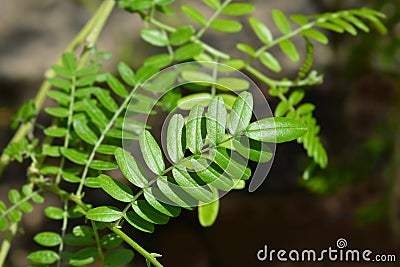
[5,246]
[97,238]
[101,138]
[17,204]
[89,33]
[136,246]
[212,18]
[63,231]
[213,51]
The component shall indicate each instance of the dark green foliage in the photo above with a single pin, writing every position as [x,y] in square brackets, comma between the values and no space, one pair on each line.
[209,148]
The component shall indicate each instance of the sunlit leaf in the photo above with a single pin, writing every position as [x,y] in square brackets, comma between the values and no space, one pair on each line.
[268,60]
[115,188]
[208,213]
[261,30]
[241,113]
[238,9]
[194,14]
[130,168]
[43,256]
[216,120]
[281,21]
[104,214]
[154,37]
[151,152]
[226,25]
[276,130]
[182,35]
[119,257]
[195,129]
[48,239]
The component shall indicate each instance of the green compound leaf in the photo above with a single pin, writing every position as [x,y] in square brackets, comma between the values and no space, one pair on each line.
[61,97]
[281,21]
[15,216]
[150,193]
[241,113]
[111,240]
[115,188]
[95,113]
[344,24]
[316,35]
[158,61]
[54,213]
[355,21]
[231,163]
[127,73]
[299,19]
[269,61]
[208,213]
[281,109]
[116,86]
[14,196]
[195,129]
[138,222]
[104,214]
[154,37]
[194,14]
[261,30]
[74,155]
[188,51]
[238,9]
[84,132]
[212,174]
[213,3]
[3,224]
[192,186]
[57,112]
[296,97]
[55,132]
[226,25]
[151,152]
[330,26]
[182,35]
[276,130]
[148,213]
[176,144]
[69,61]
[119,257]
[232,84]
[43,256]
[175,194]
[130,168]
[252,149]
[216,120]
[102,165]
[246,49]
[290,50]
[84,256]
[189,101]
[48,239]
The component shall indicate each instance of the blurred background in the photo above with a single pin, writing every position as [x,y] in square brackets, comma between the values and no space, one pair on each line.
[358,107]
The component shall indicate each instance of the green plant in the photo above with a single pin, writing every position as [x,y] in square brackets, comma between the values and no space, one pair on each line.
[209,148]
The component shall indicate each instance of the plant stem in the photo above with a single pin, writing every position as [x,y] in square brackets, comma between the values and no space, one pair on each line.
[94,24]
[213,17]
[63,231]
[136,246]
[96,236]
[5,246]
